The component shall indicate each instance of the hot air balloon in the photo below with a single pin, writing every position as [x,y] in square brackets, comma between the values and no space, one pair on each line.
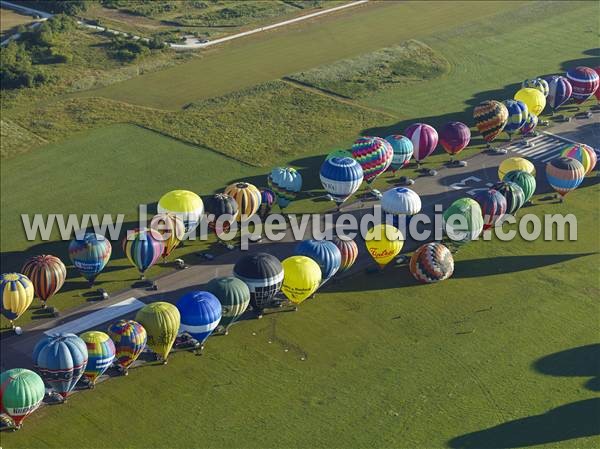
[374,155]
[341,178]
[564,174]
[16,293]
[432,262]
[170,226]
[61,360]
[324,253]
[301,278]
[559,92]
[143,248]
[581,152]
[101,353]
[384,242]
[263,274]
[400,203]
[424,139]
[200,314]
[490,118]
[234,295]
[47,274]
[339,153]
[597,93]
[90,255]
[224,210]
[454,137]
[247,197]
[584,82]
[524,180]
[186,205]
[286,182]
[513,194]
[517,116]
[348,251]
[515,163]
[493,207]
[537,83]
[161,321]
[130,341]
[533,98]
[267,199]
[463,221]
[403,151]
[21,393]
[530,124]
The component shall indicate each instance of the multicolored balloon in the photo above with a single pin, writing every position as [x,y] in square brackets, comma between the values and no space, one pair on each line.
[161,321]
[403,151]
[581,152]
[524,180]
[341,178]
[224,210]
[324,253]
[130,341]
[170,226]
[47,274]
[537,83]
[61,360]
[101,353]
[517,115]
[267,199]
[490,118]
[384,242]
[454,137]
[90,255]
[16,294]
[301,278]
[286,182]
[515,163]
[424,139]
[349,252]
[513,194]
[463,221]
[263,274]
[584,81]
[21,393]
[559,92]
[493,207]
[143,248]
[564,174]
[533,98]
[400,203]
[234,295]
[530,124]
[247,197]
[374,155]
[200,314]
[186,205]
[432,262]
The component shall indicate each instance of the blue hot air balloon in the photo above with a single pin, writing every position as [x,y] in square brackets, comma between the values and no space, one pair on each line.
[200,314]
[325,253]
[61,360]
[90,255]
[559,91]
[286,182]
[517,116]
[341,177]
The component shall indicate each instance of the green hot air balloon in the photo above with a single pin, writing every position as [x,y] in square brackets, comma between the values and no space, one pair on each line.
[463,221]
[161,321]
[524,180]
[21,393]
[234,295]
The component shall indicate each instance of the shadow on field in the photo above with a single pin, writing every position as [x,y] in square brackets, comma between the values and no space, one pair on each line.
[509,264]
[583,361]
[567,422]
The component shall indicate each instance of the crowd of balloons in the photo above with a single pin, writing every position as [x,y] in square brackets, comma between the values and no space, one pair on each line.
[61,360]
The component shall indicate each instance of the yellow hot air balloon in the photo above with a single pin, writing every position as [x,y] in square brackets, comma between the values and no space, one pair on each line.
[515,163]
[16,294]
[301,278]
[186,205]
[161,321]
[384,242]
[171,228]
[533,98]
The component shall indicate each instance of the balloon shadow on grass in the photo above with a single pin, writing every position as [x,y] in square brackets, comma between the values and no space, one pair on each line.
[583,361]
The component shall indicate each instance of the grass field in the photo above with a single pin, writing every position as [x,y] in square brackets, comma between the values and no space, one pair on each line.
[10,20]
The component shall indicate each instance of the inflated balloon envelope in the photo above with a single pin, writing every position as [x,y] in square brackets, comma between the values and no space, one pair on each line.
[301,278]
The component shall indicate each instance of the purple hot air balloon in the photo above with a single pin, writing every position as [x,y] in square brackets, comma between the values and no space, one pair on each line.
[559,91]
[584,81]
[424,139]
[454,137]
